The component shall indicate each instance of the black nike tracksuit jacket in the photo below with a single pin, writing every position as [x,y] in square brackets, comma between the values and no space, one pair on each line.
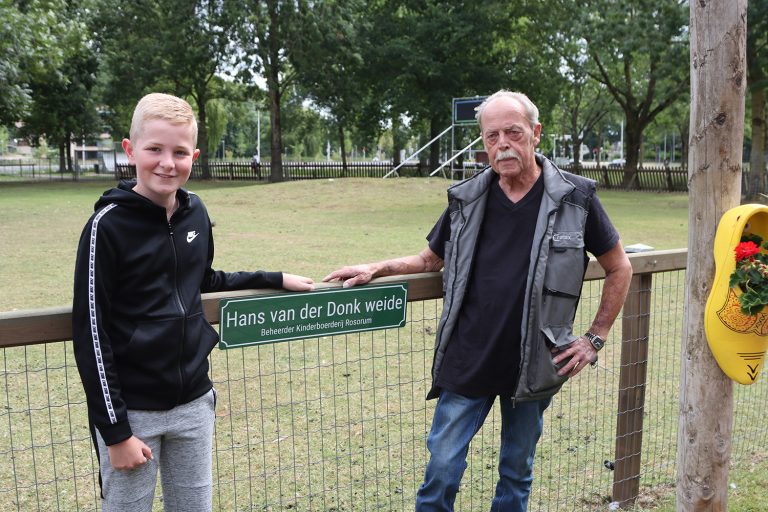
[141,340]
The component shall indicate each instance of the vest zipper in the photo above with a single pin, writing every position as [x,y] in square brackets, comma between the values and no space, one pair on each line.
[453,277]
[523,340]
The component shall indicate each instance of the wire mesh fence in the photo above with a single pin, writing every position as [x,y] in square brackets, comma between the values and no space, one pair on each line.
[340,422]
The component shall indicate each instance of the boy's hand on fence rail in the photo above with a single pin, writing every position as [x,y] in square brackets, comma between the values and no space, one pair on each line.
[296,283]
[129,454]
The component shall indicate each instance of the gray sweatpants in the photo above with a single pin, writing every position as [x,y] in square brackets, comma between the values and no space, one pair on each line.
[181,441]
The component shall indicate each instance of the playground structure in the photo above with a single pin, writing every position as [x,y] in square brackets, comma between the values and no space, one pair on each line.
[463,114]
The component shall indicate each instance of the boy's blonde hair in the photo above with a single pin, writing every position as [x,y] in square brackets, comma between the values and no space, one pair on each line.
[162,106]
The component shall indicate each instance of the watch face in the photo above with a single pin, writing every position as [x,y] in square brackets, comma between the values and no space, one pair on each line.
[596,340]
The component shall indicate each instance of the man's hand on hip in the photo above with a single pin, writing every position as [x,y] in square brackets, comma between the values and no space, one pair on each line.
[575,356]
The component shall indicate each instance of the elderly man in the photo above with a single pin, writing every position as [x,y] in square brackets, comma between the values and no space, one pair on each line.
[513,245]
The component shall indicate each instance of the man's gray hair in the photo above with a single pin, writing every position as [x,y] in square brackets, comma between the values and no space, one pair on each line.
[531,111]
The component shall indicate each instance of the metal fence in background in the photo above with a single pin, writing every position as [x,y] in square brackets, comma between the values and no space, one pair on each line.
[340,422]
[650,177]
[248,171]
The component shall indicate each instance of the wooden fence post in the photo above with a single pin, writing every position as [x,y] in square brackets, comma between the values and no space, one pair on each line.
[718,33]
[635,329]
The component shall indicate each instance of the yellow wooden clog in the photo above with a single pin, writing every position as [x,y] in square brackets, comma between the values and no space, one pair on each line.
[737,341]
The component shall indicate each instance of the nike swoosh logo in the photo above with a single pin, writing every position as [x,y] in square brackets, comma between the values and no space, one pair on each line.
[191,236]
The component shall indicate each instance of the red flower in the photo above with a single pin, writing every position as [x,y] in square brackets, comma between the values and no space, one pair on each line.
[746,250]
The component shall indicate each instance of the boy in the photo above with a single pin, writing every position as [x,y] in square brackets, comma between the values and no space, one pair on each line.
[140,337]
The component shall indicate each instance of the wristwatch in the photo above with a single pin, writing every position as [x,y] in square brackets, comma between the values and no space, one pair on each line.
[595,340]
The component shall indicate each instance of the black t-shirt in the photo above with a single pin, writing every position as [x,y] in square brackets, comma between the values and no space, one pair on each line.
[483,355]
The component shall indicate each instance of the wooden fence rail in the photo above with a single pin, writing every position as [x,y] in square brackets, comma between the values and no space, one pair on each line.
[631,414]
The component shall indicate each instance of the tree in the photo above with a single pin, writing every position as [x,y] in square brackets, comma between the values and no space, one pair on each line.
[718,39]
[306,130]
[217,121]
[176,46]
[421,55]
[640,53]
[15,44]
[331,35]
[584,105]
[63,103]
[676,118]
[757,82]
[129,42]
[28,44]
[267,32]
[245,124]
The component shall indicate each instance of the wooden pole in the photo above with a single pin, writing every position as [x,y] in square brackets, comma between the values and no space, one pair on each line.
[718,79]
[635,329]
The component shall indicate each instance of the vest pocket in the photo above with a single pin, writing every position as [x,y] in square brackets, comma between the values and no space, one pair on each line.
[542,375]
[562,286]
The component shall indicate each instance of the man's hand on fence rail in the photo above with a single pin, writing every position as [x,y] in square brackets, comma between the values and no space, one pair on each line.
[425,261]
[351,275]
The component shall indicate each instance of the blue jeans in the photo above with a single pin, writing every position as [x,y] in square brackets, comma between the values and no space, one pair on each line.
[457,419]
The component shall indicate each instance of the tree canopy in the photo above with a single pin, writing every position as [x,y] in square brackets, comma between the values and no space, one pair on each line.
[358,68]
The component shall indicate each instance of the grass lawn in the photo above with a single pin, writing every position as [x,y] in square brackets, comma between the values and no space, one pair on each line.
[309,228]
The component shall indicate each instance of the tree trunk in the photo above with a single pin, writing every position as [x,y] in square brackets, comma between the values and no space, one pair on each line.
[423,158]
[276,144]
[396,141]
[599,150]
[718,40]
[434,149]
[62,157]
[202,135]
[274,93]
[576,151]
[70,167]
[757,155]
[633,139]
[575,140]
[343,150]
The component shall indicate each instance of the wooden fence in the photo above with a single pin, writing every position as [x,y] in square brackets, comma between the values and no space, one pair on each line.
[246,171]
[345,425]
[649,178]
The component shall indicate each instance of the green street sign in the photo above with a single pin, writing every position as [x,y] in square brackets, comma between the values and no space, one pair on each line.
[272,318]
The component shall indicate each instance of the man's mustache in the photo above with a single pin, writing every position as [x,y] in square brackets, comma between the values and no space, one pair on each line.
[506,155]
